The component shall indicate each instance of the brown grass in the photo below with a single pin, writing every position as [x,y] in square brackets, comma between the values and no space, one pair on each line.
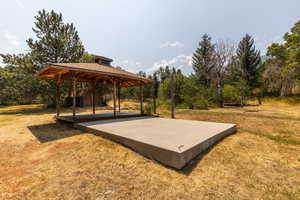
[40,159]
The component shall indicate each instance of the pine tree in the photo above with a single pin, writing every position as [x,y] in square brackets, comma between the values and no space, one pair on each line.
[56,41]
[204,60]
[249,61]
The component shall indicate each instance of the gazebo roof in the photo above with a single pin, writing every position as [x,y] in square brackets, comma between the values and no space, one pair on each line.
[86,72]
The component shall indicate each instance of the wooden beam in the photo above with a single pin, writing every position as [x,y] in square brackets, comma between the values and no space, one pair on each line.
[94,85]
[74,95]
[142,97]
[93,98]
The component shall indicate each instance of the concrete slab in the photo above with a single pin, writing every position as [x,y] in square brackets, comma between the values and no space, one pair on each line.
[173,142]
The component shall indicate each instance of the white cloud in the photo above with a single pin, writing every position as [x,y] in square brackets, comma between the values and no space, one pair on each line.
[11,39]
[172,44]
[179,62]
[10,43]
[132,66]
[263,42]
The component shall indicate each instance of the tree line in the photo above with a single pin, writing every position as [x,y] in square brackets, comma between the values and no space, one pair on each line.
[222,73]
[225,74]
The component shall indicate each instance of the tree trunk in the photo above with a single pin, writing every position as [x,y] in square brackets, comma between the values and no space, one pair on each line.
[259,100]
[172,97]
[154,105]
[142,98]
[220,94]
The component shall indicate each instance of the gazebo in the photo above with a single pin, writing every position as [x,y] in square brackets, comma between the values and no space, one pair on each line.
[100,72]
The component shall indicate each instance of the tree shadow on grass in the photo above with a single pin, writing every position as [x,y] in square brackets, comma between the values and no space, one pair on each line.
[53,131]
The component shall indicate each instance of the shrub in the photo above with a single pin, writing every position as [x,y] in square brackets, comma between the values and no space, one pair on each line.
[148,109]
[231,94]
[193,94]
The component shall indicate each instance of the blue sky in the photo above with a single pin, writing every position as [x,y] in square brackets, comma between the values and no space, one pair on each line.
[145,34]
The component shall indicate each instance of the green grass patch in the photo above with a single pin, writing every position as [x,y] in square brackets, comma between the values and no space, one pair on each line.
[277,139]
[207,112]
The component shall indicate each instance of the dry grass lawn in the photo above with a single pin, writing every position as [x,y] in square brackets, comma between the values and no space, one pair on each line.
[40,159]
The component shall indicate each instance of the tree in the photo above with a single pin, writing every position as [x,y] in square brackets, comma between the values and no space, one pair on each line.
[20,85]
[154,90]
[163,73]
[284,62]
[204,60]
[193,94]
[249,61]
[56,41]
[172,85]
[87,58]
[224,58]
[165,86]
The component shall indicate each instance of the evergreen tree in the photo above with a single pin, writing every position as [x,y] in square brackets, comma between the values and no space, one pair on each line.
[163,73]
[20,85]
[56,41]
[155,86]
[204,60]
[249,60]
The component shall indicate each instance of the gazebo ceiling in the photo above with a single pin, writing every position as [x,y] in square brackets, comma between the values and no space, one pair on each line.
[87,72]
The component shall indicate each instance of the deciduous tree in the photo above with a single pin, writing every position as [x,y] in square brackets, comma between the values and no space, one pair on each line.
[224,51]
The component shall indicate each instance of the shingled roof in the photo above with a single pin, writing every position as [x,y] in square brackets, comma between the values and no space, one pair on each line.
[85,72]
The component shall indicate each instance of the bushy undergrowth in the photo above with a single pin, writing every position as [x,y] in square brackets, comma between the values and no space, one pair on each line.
[231,94]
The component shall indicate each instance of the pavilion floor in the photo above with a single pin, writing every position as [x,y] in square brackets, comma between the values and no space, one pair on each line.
[95,117]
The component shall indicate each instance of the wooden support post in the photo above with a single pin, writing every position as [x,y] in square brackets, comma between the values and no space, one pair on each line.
[141,97]
[74,96]
[93,85]
[172,96]
[119,98]
[93,99]
[114,97]
[57,83]
[154,105]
